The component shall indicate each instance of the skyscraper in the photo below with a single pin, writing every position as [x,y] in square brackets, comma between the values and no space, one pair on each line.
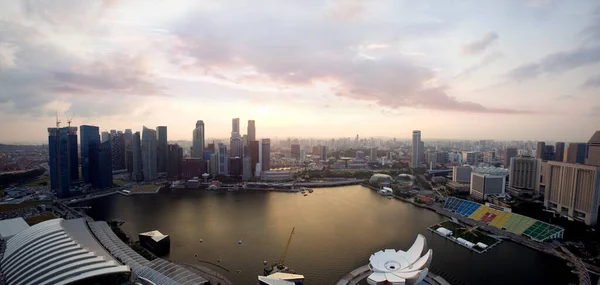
[198,140]
[559,151]
[251,131]
[592,154]
[323,152]
[105,137]
[575,153]
[549,152]
[117,142]
[214,164]
[572,190]
[175,157]
[162,149]
[136,149]
[101,165]
[254,155]
[509,153]
[235,166]
[540,150]
[265,155]
[63,160]
[128,137]
[236,145]
[247,171]
[90,138]
[223,158]
[525,173]
[416,149]
[235,125]
[149,160]
[296,151]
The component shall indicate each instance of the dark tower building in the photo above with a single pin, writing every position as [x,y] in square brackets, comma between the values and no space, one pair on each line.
[101,165]
[296,151]
[117,143]
[90,138]
[63,160]
[253,155]
[559,152]
[162,149]
[509,153]
[540,150]
[251,130]
[136,149]
[175,157]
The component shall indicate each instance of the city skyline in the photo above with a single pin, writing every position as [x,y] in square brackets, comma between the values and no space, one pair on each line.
[308,69]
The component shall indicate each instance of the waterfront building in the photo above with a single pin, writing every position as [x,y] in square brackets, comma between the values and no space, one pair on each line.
[592,154]
[483,185]
[223,156]
[198,140]
[400,267]
[60,252]
[575,153]
[295,151]
[117,143]
[235,166]
[265,154]
[417,151]
[572,190]
[236,145]
[251,130]
[63,159]
[509,153]
[89,137]
[192,167]
[174,156]
[149,145]
[559,151]
[525,173]
[136,148]
[462,174]
[101,165]
[128,138]
[276,175]
[162,153]
[246,168]
[156,242]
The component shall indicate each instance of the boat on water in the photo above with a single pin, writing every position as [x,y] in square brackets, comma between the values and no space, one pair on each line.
[310,190]
[278,273]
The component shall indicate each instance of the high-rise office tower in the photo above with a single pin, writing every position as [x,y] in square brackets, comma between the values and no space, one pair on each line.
[214,164]
[323,152]
[223,157]
[592,154]
[509,153]
[136,149]
[101,165]
[483,185]
[416,151]
[246,170]
[265,154]
[575,153]
[373,154]
[128,137]
[559,151]
[105,136]
[254,155]
[174,160]
[63,159]
[251,130]
[296,151]
[149,160]
[162,149]
[540,150]
[235,125]
[236,145]
[117,142]
[235,166]
[572,190]
[525,173]
[549,152]
[198,140]
[89,138]
[470,157]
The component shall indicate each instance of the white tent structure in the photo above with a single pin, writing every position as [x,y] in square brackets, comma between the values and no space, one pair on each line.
[400,267]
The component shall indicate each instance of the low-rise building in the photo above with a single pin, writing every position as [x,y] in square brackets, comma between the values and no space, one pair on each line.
[483,185]
[276,175]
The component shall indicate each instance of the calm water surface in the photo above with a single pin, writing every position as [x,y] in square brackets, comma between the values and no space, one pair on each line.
[337,229]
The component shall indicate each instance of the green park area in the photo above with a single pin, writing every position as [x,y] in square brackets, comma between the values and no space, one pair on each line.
[148,188]
[120,182]
[40,218]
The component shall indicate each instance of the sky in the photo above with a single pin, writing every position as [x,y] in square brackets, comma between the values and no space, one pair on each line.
[504,70]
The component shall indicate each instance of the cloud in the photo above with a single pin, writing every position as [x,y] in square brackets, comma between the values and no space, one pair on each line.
[346,10]
[481,44]
[487,60]
[556,63]
[592,82]
[594,111]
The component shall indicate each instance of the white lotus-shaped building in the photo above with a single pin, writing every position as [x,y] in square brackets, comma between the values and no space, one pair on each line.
[400,267]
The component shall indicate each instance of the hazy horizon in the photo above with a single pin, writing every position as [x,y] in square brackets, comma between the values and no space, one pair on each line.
[501,70]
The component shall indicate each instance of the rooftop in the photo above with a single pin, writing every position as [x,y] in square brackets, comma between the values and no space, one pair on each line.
[156,235]
[11,227]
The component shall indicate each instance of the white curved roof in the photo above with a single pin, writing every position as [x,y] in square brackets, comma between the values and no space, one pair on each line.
[56,252]
[400,267]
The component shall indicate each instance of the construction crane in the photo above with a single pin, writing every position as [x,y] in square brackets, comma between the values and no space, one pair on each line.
[287,246]
[57,120]
[69,118]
